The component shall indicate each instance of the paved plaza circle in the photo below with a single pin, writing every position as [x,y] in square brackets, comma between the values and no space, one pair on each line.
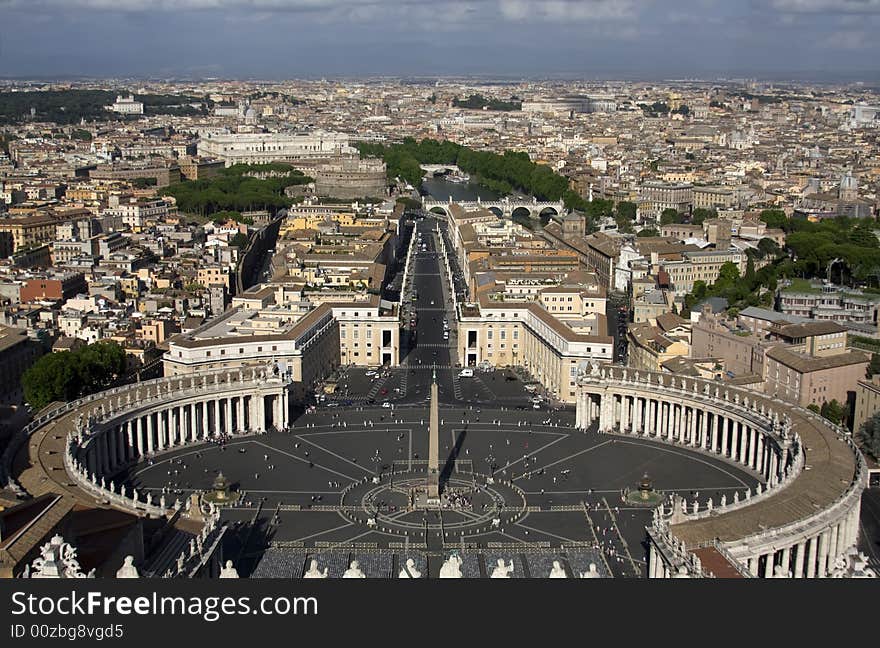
[472,503]
[342,478]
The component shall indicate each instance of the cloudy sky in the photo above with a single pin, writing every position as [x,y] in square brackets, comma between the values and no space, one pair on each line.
[519,38]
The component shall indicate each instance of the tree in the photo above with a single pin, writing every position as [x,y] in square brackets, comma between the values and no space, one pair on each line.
[624,225]
[670,216]
[239,240]
[834,412]
[701,214]
[728,274]
[648,231]
[143,183]
[873,366]
[68,375]
[625,216]
[774,218]
[409,203]
[868,436]
[627,210]
[768,246]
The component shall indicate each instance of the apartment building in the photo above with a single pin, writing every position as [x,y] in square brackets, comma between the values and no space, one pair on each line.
[511,333]
[703,265]
[867,401]
[806,380]
[825,301]
[654,197]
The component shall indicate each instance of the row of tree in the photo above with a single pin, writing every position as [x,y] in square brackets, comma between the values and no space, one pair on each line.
[502,172]
[814,245]
[754,288]
[70,106]
[235,190]
[478,102]
[69,375]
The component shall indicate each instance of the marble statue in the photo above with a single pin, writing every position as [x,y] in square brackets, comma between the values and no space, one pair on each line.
[451,567]
[57,560]
[853,564]
[128,570]
[409,570]
[354,571]
[592,572]
[557,571]
[681,573]
[229,571]
[314,572]
[501,570]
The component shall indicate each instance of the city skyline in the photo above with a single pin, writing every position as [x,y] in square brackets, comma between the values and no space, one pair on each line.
[818,40]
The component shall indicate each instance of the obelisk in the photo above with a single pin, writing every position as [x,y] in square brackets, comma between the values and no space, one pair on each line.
[434,443]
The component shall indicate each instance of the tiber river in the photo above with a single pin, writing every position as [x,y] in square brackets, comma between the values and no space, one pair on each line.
[440,189]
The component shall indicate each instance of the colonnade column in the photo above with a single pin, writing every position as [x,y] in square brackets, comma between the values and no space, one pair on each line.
[822,569]
[759,461]
[799,559]
[740,448]
[126,440]
[832,546]
[811,557]
[676,427]
[786,560]
[140,436]
[150,432]
[193,417]
[704,430]
[181,425]
[239,414]
[722,438]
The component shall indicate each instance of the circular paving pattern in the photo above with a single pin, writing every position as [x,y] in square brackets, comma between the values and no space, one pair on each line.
[312,489]
[471,503]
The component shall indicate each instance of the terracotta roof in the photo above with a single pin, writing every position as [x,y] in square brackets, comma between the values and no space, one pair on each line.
[805,364]
[807,329]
